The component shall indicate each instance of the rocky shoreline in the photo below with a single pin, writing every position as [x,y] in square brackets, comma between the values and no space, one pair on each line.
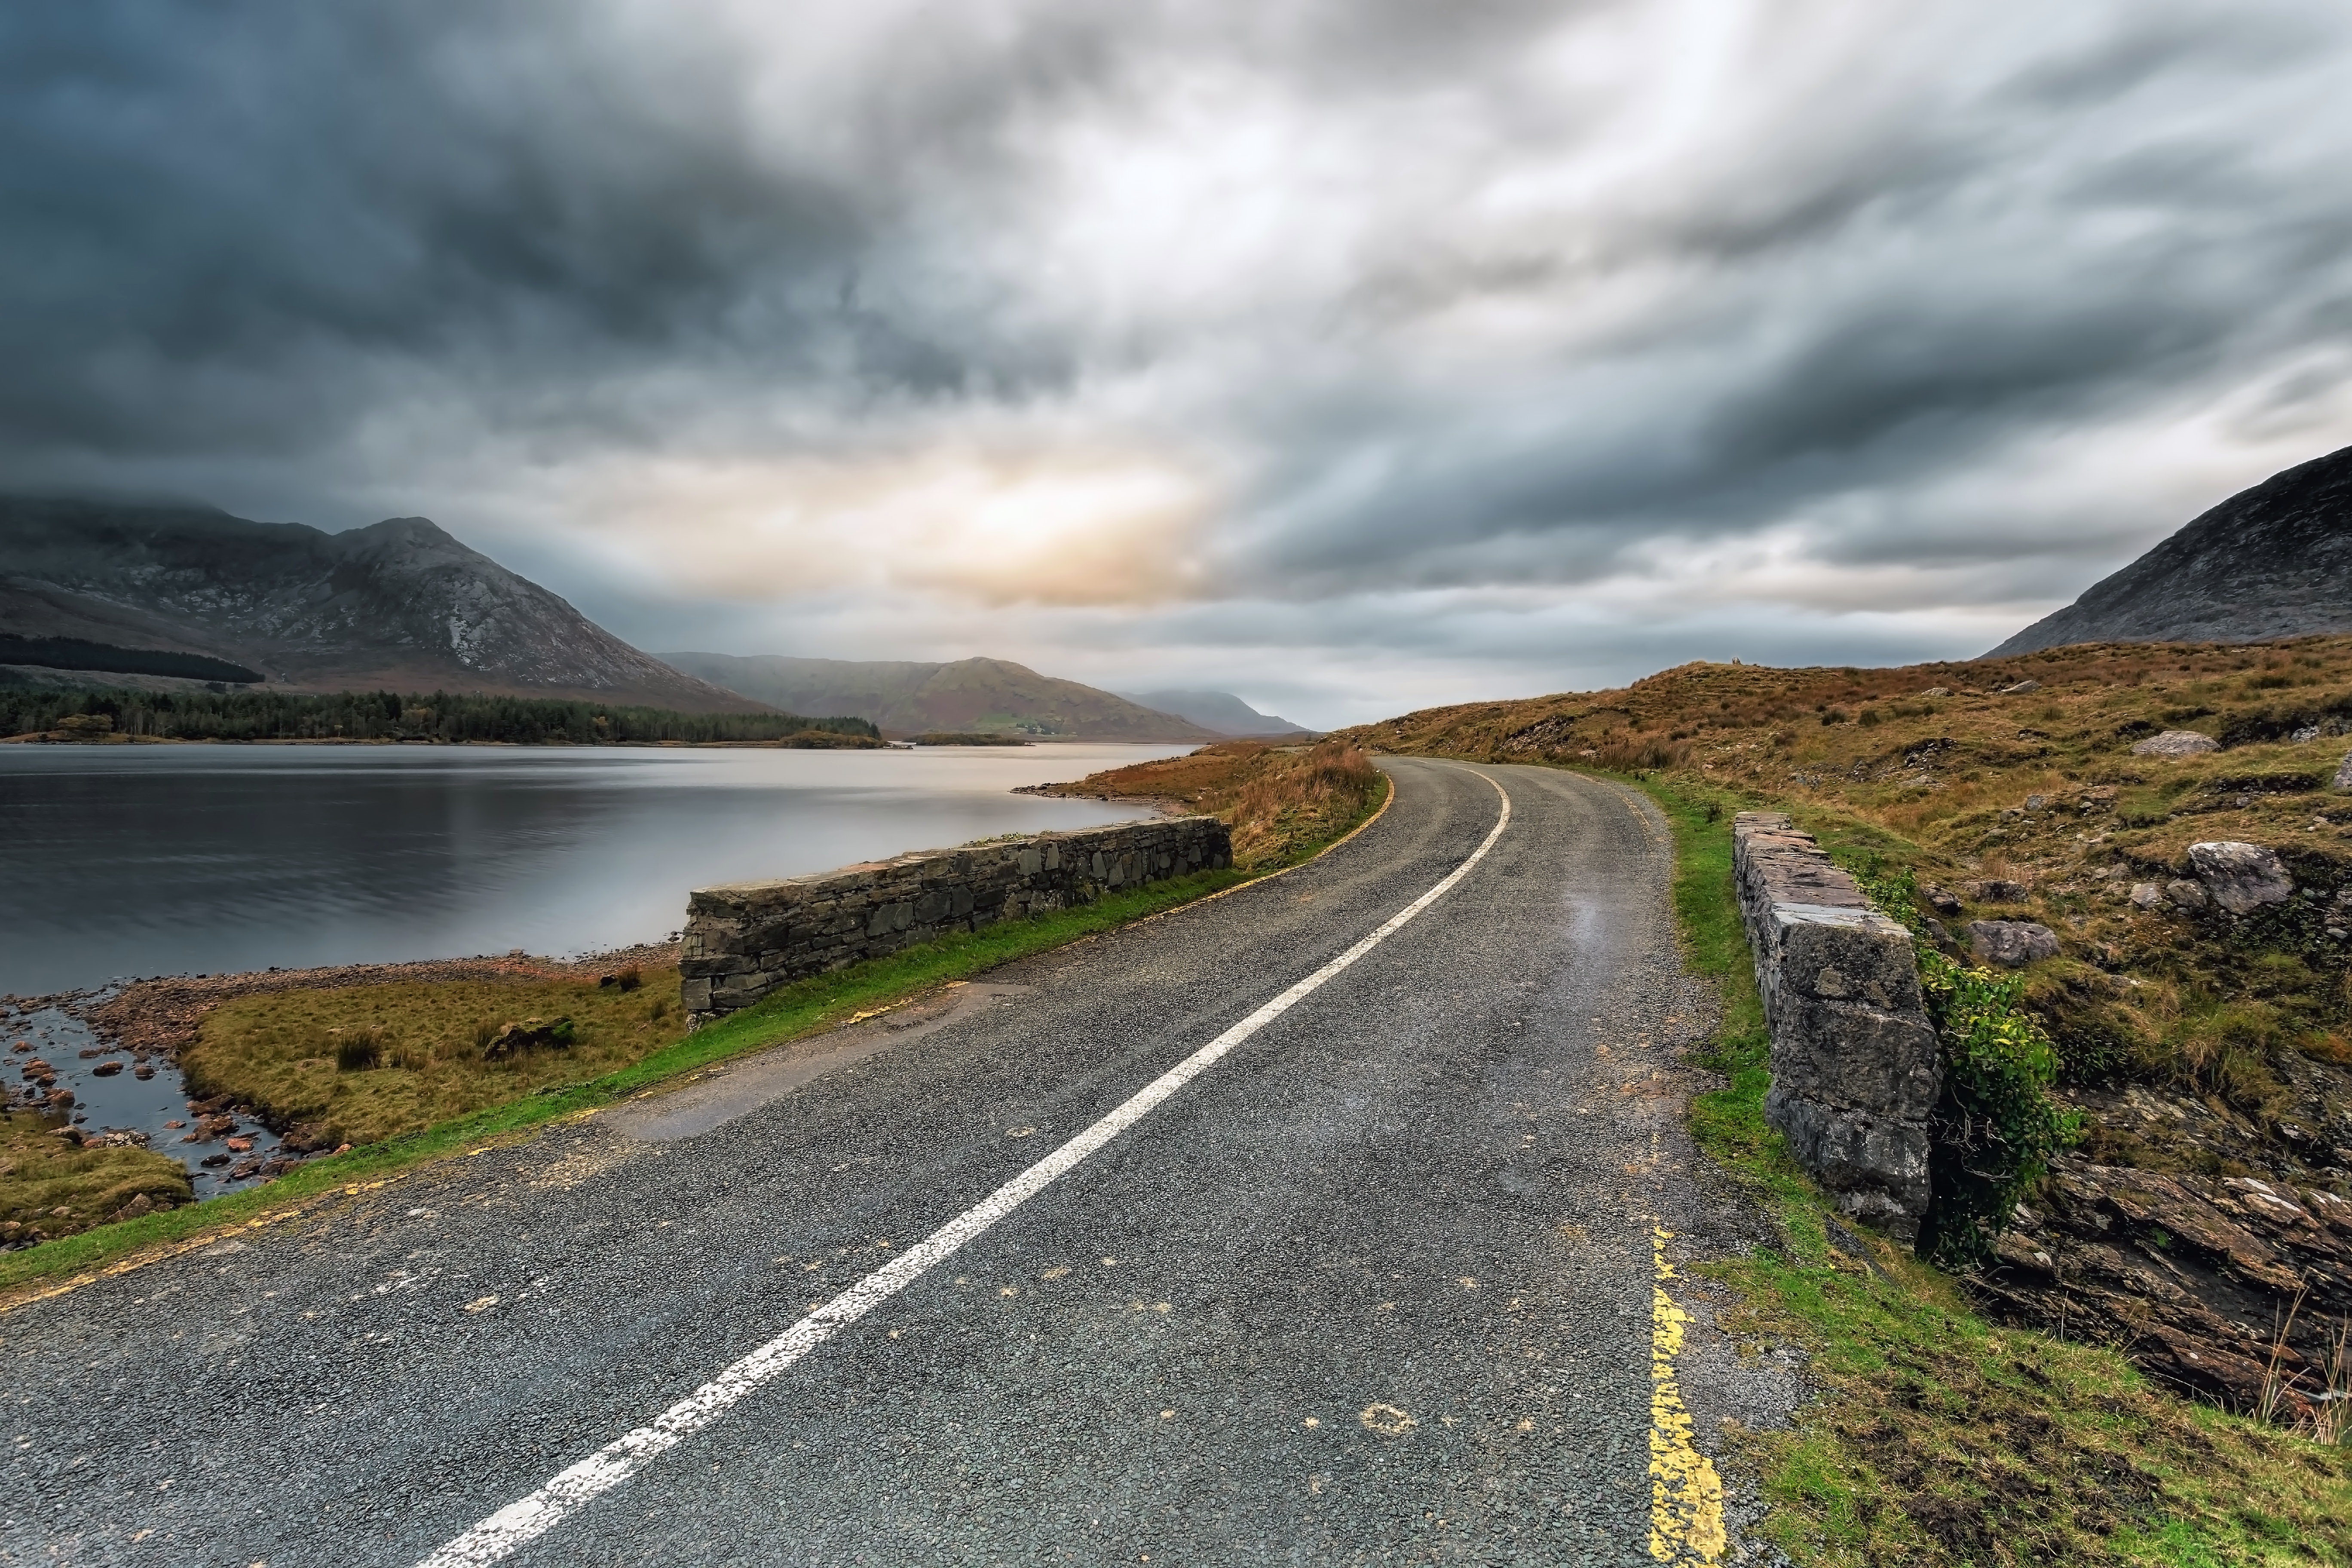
[69,1052]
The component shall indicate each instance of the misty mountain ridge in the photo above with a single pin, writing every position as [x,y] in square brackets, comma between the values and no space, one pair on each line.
[1219,710]
[968,695]
[399,605]
[2274,561]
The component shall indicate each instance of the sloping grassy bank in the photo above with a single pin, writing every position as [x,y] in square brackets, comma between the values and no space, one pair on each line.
[1280,801]
[1938,1437]
[806,1007]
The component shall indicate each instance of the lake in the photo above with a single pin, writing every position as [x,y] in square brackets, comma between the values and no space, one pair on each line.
[129,861]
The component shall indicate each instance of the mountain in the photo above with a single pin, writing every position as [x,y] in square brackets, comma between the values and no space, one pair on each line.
[971,694]
[2271,561]
[1219,711]
[399,605]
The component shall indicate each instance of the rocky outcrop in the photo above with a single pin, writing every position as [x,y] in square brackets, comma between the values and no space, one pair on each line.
[2240,878]
[2175,744]
[744,940]
[2271,561]
[2196,1277]
[1855,1071]
[2013,944]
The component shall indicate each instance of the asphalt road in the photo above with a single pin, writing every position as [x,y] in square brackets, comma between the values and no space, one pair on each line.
[1381,1285]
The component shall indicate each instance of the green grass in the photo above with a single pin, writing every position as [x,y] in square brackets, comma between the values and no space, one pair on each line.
[1940,1437]
[789,1013]
[48,1185]
[278,1051]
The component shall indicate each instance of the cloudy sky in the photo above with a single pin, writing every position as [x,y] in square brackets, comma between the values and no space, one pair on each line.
[1350,356]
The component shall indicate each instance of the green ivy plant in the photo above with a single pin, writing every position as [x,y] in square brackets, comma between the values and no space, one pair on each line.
[1995,1128]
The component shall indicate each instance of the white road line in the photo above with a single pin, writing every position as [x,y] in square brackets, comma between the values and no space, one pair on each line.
[519,1523]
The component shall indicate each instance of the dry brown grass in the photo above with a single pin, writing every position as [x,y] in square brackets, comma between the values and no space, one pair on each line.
[359,1064]
[1940,767]
[1280,801]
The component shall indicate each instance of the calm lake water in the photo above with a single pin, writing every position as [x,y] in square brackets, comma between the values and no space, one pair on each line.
[134,861]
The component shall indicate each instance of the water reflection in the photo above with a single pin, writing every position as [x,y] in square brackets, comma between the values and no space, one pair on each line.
[190,859]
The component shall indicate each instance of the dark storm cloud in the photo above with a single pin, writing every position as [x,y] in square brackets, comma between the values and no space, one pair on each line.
[1783,301]
[231,224]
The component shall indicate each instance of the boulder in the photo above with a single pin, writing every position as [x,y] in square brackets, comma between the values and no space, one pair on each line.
[2020,688]
[2146,895]
[1942,903]
[2344,772]
[2240,878]
[2175,744]
[2188,895]
[2013,944]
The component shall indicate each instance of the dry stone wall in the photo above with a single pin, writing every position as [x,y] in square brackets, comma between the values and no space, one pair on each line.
[1855,1070]
[745,938]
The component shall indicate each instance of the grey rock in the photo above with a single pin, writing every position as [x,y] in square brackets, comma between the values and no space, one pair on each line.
[2146,895]
[2344,772]
[2013,944]
[2240,878]
[2020,688]
[2175,744]
[1942,903]
[2188,895]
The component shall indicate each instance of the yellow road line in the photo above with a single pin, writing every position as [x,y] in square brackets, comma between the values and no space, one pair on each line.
[1685,1494]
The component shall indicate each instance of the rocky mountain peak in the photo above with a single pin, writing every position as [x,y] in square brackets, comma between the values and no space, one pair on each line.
[2274,561]
[398,603]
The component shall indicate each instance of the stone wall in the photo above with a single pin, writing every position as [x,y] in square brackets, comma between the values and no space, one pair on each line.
[1855,1070]
[745,938]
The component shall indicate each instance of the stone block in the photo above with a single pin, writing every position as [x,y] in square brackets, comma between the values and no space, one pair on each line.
[746,938]
[1855,1067]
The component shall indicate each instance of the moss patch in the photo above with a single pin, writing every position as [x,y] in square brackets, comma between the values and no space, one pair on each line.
[1938,1437]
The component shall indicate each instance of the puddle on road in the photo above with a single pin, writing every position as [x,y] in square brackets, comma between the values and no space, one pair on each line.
[138,1110]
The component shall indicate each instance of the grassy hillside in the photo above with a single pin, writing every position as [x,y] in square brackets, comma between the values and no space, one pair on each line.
[971,694]
[1278,800]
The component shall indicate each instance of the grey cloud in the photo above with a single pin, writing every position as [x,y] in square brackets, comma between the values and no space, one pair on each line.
[293,256]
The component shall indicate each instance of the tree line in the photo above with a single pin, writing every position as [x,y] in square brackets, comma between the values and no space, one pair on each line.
[394,716]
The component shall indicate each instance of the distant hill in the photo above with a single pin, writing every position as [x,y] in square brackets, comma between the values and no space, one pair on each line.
[971,694]
[399,605]
[2271,561]
[1219,711]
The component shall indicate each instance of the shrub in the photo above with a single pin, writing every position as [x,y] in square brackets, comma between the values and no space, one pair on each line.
[1995,1127]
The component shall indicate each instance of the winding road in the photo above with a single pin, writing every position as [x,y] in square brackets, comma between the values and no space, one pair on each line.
[1277,1228]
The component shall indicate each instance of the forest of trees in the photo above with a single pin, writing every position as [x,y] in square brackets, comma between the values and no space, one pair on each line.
[392,716]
